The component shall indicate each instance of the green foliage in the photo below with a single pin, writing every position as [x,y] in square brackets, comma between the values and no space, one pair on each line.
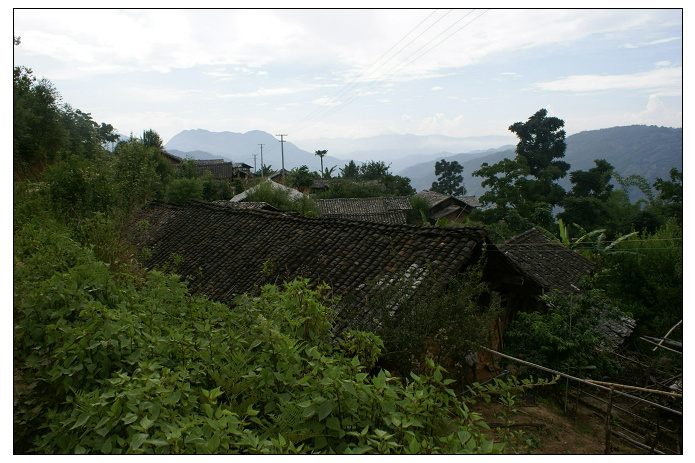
[38,134]
[301,178]
[645,277]
[420,209]
[350,170]
[450,180]
[115,363]
[343,188]
[373,170]
[447,321]
[280,198]
[528,183]
[542,144]
[321,154]
[140,174]
[79,187]
[570,335]
[180,190]
[365,345]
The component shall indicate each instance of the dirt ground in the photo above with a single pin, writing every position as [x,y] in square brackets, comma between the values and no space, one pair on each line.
[541,428]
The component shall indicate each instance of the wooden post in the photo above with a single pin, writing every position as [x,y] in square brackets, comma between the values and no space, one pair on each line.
[608,422]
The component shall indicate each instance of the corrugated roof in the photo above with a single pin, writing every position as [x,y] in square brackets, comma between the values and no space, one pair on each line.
[224,250]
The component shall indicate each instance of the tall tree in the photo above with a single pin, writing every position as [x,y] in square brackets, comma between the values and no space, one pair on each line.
[450,180]
[351,170]
[38,134]
[542,143]
[321,154]
[587,202]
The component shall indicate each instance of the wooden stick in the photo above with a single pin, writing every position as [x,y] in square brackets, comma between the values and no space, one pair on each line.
[669,332]
[635,388]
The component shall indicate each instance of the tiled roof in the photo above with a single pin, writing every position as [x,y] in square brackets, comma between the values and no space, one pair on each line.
[207,162]
[472,201]
[247,205]
[433,197]
[548,263]
[224,251]
[381,217]
[387,210]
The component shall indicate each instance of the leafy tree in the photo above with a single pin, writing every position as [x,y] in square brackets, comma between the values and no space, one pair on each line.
[38,132]
[569,335]
[670,195]
[398,186]
[350,170]
[150,138]
[373,170]
[343,188]
[266,170]
[526,187]
[327,173]
[542,143]
[587,202]
[79,187]
[301,178]
[140,174]
[180,190]
[86,138]
[321,154]
[645,277]
[450,180]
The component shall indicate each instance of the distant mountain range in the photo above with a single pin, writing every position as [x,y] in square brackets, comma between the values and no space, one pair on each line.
[649,151]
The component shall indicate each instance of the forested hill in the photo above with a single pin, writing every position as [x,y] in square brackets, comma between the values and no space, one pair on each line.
[648,151]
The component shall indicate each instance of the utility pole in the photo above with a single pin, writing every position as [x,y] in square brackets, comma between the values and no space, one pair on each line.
[262,170]
[282,149]
[254,162]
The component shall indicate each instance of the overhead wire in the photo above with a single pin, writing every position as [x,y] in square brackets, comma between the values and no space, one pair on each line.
[321,115]
[355,81]
[403,62]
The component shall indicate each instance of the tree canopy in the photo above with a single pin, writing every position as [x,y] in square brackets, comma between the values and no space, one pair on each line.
[449,178]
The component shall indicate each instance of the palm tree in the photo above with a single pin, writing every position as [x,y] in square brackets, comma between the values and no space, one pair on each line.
[321,154]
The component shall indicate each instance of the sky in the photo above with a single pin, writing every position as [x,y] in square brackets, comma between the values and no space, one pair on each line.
[355,73]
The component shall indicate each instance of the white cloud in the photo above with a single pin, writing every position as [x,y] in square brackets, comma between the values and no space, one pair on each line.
[665,78]
[440,124]
[434,89]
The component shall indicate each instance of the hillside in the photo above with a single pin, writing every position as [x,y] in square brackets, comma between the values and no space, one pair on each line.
[649,151]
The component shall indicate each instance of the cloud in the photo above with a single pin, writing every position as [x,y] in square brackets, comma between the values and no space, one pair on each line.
[440,124]
[664,78]
[434,89]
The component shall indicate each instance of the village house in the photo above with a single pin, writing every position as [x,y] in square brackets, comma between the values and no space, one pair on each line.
[222,170]
[225,249]
[228,250]
[530,265]
[452,208]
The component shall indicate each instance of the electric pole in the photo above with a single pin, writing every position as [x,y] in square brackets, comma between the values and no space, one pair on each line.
[262,170]
[282,149]
[254,162]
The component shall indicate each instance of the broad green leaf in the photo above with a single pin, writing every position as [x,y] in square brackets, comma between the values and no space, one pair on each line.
[137,439]
[333,423]
[325,409]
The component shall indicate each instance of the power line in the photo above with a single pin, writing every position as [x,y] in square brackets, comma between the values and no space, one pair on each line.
[356,81]
[327,110]
[392,72]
